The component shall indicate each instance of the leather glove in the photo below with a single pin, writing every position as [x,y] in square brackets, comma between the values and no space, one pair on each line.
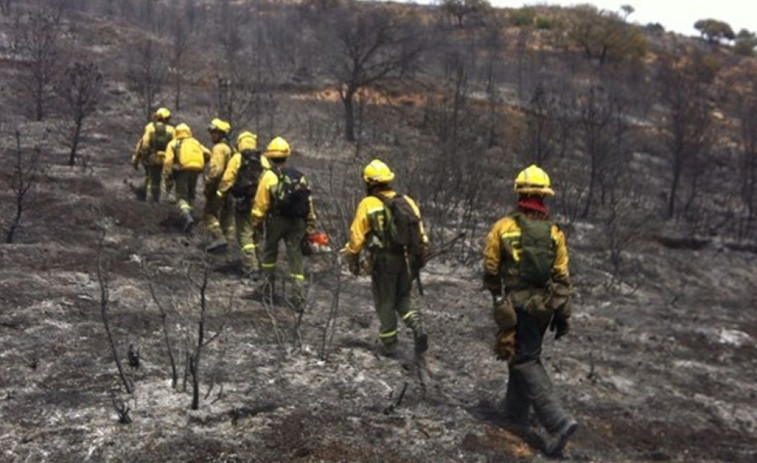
[353,262]
[560,325]
[504,313]
[310,228]
[209,190]
[494,284]
[257,226]
[504,345]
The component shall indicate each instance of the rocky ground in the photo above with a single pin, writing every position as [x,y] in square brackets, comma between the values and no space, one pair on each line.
[659,367]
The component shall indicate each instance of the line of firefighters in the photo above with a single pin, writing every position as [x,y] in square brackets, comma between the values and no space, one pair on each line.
[250,194]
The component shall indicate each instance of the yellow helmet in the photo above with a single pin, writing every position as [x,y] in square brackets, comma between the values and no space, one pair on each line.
[377,172]
[183,130]
[533,181]
[220,126]
[277,149]
[252,142]
[162,114]
[246,134]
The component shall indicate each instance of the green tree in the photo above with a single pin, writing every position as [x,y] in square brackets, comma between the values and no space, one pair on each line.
[714,30]
[459,9]
[627,11]
[604,36]
[746,42]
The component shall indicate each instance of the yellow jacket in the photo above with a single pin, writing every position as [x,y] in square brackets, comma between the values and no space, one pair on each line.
[143,144]
[187,143]
[370,213]
[219,157]
[266,189]
[503,243]
[232,170]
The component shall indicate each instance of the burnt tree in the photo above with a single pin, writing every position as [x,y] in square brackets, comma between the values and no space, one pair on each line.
[371,47]
[79,92]
[24,175]
[36,39]
[688,123]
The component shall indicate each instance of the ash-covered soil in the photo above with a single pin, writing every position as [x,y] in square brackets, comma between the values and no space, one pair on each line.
[661,369]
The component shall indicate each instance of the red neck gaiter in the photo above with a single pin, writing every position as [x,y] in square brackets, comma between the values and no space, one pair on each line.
[533,203]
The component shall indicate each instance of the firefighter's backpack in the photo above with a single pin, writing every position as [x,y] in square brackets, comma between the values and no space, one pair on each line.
[538,251]
[189,155]
[292,194]
[248,175]
[403,231]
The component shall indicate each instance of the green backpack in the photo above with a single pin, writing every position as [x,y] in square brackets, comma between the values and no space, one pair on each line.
[246,183]
[292,195]
[160,137]
[538,251]
[404,230]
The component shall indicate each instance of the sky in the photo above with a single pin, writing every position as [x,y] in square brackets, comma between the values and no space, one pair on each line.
[675,15]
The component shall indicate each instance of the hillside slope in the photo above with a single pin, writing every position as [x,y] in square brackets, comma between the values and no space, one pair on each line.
[661,364]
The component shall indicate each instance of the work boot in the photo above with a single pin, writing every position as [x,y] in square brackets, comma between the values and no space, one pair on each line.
[188,223]
[297,298]
[266,288]
[516,405]
[548,410]
[389,349]
[217,245]
[254,277]
[559,439]
[421,340]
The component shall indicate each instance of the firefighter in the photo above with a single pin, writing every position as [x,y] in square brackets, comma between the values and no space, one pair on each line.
[391,267]
[240,180]
[150,152]
[185,160]
[283,203]
[526,271]
[218,213]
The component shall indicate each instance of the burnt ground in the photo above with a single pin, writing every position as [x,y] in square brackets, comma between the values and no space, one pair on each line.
[659,367]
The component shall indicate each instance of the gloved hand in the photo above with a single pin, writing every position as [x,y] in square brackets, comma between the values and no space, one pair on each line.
[209,190]
[310,228]
[494,284]
[560,325]
[504,345]
[257,227]
[353,261]
[504,313]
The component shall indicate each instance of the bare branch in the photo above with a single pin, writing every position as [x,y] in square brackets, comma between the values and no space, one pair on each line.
[102,279]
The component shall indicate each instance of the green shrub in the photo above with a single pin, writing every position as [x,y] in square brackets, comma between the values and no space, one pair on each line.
[543,22]
[523,17]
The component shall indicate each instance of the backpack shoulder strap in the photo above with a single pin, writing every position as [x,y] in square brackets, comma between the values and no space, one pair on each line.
[177,152]
[385,200]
